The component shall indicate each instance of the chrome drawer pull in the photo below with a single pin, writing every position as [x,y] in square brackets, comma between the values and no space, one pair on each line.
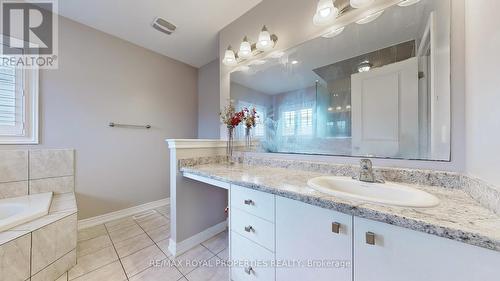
[370,238]
[248,270]
[249,202]
[249,229]
[336,227]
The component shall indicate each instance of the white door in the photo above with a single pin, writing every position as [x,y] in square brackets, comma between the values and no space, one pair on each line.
[385,111]
[307,244]
[401,254]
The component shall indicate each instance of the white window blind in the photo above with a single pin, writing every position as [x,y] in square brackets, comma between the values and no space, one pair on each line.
[306,122]
[288,123]
[12,103]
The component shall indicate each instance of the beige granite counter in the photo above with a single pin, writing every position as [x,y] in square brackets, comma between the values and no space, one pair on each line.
[458,216]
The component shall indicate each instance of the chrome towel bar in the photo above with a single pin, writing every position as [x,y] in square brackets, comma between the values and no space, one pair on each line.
[112,124]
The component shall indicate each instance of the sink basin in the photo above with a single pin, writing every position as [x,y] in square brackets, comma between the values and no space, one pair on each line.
[380,193]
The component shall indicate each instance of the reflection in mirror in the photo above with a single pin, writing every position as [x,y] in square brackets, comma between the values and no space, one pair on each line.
[372,89]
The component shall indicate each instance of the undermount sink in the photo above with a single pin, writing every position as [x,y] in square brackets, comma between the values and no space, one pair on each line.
[381,193]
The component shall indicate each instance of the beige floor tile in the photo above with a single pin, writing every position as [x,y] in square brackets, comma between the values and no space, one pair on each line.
[125,233]
[91,232]
[160,233]
[217,243]
[110,272]
[92,245]
[165,210]
[188,261]
[141,260]
[154,223]
[119,224]
[165,272]
[163,245]
[93,261]
[214,270]
[132,245]
[224,255]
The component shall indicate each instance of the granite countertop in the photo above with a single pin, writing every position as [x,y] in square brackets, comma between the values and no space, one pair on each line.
[458,216]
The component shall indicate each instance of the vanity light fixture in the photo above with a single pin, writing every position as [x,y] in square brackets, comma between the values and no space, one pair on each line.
[333,32]
[230,57]
[245,51]
[361,3]
[406,3]
[364,66]
[326,12]
[370,17]
[266,41]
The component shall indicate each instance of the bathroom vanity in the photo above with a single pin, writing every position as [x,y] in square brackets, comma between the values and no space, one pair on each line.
[281,229]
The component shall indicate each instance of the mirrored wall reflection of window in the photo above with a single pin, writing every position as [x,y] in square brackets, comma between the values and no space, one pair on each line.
[380,89]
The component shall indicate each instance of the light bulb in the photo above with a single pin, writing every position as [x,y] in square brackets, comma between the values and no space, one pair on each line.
[370,18]
[333,32]
[245,49]
[406,3]
[361,3]
[229,57]
[326,12]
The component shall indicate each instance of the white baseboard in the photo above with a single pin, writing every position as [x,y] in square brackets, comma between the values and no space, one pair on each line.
[177,249]
[85,223]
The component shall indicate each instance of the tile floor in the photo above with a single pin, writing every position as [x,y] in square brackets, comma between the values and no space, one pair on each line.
[135,249]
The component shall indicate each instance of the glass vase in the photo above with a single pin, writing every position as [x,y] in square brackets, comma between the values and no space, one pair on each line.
[230,144]
[248,138]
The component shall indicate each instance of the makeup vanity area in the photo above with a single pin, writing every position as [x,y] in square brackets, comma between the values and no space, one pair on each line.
[375,87]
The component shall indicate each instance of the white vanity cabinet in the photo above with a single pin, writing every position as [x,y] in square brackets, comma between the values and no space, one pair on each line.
[401,254]
[305,234]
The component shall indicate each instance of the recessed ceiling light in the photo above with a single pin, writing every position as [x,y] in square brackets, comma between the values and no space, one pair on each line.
[406,3]
[330,109]
[333,32]
[348,107]
[364,66]
[370,18]
[339,107]
[295,62]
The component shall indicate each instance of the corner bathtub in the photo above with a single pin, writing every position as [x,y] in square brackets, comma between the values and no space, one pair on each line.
[19,210]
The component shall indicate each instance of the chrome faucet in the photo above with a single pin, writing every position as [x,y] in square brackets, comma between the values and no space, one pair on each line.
[366,172]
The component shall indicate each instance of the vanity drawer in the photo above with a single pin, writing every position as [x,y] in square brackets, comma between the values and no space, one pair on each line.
[254,202]
[254,228]
[251,262]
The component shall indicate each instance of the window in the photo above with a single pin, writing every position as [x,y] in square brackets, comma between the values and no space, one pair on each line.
[18,106]
[305,123]
[289,123]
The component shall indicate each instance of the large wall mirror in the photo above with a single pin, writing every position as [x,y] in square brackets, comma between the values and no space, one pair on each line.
[378,89]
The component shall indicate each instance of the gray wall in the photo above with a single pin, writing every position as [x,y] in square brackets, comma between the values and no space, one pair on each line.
[208,101]
[293,25]
[100,79]
[483,90]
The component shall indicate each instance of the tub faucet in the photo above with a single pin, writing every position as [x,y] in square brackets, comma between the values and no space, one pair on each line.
[366,172]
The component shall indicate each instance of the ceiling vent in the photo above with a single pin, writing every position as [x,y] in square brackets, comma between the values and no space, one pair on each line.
[163,26]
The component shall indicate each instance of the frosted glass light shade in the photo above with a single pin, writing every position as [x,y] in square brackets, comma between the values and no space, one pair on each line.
[245,51]
[333,32]
[326,12]
[370,18]
[406,3]
[229,58]
[264,43]
[361,3]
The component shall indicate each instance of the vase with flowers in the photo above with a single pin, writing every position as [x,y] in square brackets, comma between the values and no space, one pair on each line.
[250,120]
[231,118]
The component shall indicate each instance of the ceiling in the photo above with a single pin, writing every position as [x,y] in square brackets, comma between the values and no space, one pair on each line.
[195,41]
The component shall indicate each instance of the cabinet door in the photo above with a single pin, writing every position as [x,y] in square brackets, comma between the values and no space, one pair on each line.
[402,254]
[304,234]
